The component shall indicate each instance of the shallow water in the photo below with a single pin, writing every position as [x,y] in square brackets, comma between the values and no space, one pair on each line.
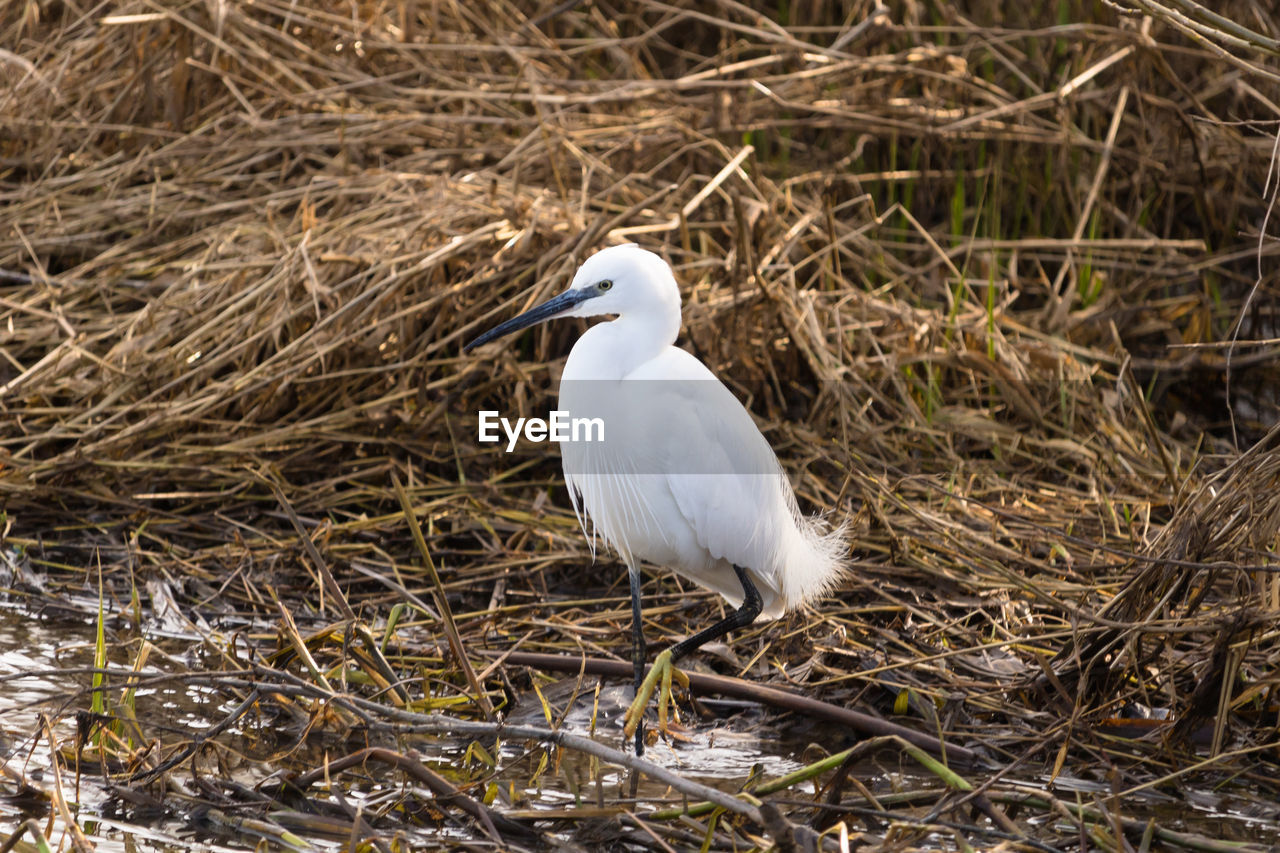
[36,657]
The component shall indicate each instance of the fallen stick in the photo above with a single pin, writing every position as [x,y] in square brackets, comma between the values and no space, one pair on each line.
[741,689]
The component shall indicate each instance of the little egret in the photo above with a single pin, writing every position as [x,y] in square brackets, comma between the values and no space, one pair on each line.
[683,479]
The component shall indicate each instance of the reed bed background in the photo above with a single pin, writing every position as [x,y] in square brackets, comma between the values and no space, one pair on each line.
[993,278]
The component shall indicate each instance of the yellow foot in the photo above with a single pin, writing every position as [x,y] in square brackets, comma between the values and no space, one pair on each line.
[662,668]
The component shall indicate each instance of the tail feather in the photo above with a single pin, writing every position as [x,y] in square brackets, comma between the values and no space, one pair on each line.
[815,561]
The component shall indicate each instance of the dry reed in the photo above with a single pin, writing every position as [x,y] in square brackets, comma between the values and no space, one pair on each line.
[976,271]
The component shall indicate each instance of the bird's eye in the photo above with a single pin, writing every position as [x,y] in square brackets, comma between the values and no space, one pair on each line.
[605,285]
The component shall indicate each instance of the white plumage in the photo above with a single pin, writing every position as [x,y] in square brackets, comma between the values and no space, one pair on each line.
[683,478]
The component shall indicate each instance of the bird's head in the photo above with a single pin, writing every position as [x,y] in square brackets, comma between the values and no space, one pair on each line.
[620,280]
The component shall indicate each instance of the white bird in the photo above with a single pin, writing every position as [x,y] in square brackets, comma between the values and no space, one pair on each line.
[682,478]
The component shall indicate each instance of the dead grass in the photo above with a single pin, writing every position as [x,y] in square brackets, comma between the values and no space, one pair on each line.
[975,276]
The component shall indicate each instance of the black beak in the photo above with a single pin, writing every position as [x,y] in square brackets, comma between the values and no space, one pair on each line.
[552,307]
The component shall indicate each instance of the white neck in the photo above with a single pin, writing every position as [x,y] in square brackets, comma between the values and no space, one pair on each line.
[613,350]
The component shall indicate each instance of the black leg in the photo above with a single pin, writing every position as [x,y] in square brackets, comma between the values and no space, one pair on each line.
[744,615]
[637,648]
